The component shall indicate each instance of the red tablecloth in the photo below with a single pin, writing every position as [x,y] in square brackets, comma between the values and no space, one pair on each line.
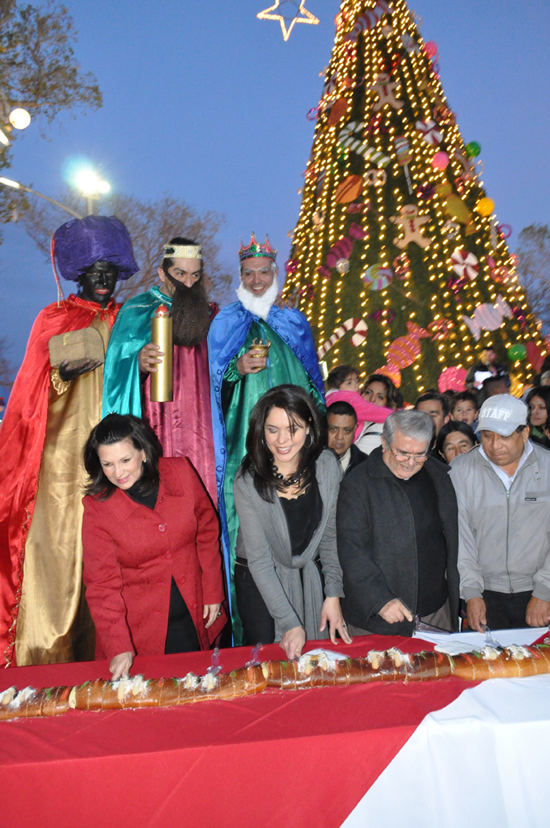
[282,758]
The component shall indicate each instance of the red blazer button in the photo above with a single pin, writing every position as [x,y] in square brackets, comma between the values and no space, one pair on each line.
[162,527]
[168,556]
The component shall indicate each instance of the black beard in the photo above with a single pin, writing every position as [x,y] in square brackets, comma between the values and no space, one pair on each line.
[190,313]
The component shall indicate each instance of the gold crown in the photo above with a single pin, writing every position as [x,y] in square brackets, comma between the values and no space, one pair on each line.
[182,251]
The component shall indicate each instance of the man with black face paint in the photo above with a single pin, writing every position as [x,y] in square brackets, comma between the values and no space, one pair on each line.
[183,426]
[43,614]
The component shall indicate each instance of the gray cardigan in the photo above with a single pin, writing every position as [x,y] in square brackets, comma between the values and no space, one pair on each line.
[264,541]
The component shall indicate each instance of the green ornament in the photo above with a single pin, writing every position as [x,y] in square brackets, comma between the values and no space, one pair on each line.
[517,352]
[473,149]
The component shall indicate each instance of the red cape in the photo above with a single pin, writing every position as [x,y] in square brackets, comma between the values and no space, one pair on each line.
[21,443]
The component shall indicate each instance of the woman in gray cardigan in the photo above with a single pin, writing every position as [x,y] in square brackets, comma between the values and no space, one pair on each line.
[288,579]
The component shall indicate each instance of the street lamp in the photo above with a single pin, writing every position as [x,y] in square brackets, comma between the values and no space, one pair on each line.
[8,182]
[91,186]
[18,118]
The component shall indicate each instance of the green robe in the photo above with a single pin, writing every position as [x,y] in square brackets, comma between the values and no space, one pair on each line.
[239,396]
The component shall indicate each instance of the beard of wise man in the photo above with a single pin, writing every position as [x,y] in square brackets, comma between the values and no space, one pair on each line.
[190,312]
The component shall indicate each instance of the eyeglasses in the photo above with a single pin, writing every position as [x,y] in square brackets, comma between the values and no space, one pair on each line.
[403,456]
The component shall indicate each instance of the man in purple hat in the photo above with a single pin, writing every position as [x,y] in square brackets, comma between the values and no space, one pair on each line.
[43,613]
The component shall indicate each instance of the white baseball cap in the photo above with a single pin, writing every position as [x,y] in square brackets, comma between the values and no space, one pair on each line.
[503,414]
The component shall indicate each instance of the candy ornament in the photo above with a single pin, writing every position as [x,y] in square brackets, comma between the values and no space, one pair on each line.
[465,264]
[488,317]
[337,111]
[377,277]
[429,131]
[430,48]
[455,207]
[404,157]
[452,379]
[403,352]
[485,206]
[402,267]
[360,328]
[376,178]
[348,189]
[357,232]
[451,229]
[368,20]
[348,140]
[342,266]
[341,250]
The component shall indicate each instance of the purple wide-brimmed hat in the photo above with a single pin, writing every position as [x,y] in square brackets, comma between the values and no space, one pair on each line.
[80,243]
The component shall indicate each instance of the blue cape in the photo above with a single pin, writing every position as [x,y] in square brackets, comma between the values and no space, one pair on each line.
[227,335]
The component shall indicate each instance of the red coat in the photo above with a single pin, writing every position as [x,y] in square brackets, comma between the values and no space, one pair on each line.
[131,553]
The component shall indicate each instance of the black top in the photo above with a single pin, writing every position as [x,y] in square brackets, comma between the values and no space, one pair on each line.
[303,515]
[181,635]
[149,500]
[431,548]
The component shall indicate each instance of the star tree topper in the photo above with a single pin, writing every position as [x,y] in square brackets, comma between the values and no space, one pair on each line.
[295,15]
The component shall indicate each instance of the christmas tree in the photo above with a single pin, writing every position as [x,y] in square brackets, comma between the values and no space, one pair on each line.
[396,232]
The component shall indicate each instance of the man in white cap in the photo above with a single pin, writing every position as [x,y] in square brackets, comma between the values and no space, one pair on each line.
[503,492]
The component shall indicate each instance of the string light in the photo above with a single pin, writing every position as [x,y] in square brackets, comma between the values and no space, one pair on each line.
[426,294]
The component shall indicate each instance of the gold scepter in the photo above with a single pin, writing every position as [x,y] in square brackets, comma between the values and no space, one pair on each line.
[161,335]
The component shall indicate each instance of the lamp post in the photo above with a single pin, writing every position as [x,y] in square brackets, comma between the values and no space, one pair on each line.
[8,182]
[91,187]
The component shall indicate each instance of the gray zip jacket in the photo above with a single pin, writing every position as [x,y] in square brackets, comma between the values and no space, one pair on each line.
[504,537]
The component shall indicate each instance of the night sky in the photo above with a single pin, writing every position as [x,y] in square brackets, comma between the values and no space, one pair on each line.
[205,101]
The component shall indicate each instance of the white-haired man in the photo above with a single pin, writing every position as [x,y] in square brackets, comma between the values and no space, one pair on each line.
[240,370]
[398,534]
[503,492]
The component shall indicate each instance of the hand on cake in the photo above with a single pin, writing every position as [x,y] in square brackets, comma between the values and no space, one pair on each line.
[331,613]
[477,614]
[293,642]
[120,665]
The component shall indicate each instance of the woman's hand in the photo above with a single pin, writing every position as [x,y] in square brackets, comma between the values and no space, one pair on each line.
[331,612]
[120,665]
[211,612]
[293,642]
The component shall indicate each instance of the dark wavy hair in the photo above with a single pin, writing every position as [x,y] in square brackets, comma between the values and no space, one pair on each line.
[258,460]
[394,398]
[114,428]
[448,428]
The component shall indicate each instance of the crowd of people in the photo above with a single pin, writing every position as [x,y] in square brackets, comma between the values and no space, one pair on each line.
[252,507]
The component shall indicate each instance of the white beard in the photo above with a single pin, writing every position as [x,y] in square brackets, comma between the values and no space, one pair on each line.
[258,305]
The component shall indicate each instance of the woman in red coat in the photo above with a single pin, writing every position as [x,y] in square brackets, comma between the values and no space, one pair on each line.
[152,563]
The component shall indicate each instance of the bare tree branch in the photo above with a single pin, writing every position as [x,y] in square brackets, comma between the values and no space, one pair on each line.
[151,224]
[534,269]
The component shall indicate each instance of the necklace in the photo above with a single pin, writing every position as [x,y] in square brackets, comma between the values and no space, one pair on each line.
[292,480]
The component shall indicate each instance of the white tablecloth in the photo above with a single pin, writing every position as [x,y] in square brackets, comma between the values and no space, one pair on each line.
[481,762]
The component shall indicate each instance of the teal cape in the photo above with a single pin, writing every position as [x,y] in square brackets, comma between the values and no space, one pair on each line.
[292,359]
[131,332]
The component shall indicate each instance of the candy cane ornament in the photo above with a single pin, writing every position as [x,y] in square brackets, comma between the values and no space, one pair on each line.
[358,325]
[348,140]
[369,19]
